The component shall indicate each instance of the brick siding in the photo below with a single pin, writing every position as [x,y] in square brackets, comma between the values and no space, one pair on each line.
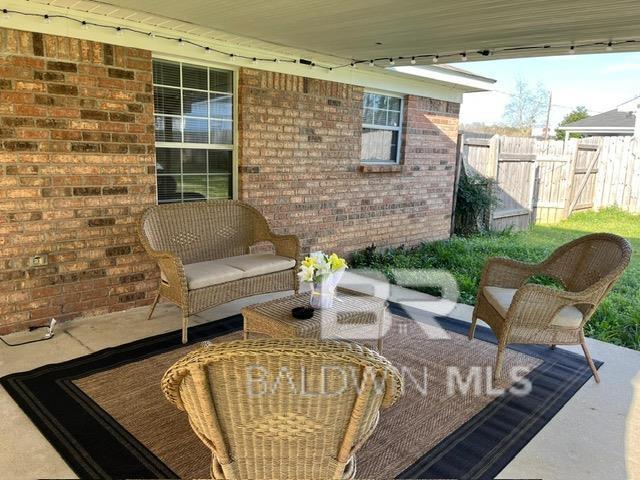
[76,169]
[299,157]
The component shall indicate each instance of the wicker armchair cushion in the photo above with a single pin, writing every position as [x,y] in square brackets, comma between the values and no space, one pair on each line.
[501,298]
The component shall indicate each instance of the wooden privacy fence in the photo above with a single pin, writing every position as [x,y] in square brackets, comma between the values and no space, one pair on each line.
[545,181]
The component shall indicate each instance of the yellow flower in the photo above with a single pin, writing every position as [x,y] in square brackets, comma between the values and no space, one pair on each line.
[309,262]
[336,262]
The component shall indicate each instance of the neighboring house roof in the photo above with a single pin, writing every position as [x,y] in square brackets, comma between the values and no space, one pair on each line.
[611,121]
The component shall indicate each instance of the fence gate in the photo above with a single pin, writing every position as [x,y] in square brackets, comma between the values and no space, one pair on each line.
[583,184]
[514,183]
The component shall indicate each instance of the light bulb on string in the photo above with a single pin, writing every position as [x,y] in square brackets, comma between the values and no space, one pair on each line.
[371,63]
[609,47]
[413,60]
[119,31]
[435,59]
[572,50]
[463,56]
[392,61]
[46,18]
[5,14]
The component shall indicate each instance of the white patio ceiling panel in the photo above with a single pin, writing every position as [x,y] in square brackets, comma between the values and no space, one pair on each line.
[350,28]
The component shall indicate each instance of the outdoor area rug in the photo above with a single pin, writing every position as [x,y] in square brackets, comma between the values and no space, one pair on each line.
[106,415]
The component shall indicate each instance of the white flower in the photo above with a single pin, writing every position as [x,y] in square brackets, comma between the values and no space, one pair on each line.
[306,274]
[319,257]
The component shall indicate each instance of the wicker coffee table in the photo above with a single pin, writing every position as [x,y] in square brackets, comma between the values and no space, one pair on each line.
[354,316]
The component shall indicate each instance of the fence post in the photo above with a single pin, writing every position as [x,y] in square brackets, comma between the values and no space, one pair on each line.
[456,180]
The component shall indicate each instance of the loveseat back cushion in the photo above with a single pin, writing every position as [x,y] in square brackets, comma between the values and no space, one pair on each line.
[203,231]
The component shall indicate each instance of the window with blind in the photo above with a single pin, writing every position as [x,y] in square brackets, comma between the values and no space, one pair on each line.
[381,128]
[194,131]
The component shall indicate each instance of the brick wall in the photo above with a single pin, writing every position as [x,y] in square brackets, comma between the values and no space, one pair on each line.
[299,164]
[76,169]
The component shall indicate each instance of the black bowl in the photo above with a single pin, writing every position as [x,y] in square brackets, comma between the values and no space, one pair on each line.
[302,313]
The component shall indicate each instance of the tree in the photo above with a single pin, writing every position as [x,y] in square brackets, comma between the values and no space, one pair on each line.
[579,113]
[527,106]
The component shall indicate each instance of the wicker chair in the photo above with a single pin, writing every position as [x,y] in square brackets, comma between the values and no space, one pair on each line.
[203,251]
[520,312]
[283,408]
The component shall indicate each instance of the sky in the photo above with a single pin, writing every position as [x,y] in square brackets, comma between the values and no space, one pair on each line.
[600,82]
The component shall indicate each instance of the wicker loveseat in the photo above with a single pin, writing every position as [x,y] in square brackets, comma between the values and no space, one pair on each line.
[203,251]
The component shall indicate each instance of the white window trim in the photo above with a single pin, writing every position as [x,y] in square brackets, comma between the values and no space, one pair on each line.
[212,146]
[399,129]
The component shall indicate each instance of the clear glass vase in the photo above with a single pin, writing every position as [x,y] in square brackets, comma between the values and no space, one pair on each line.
[322,295]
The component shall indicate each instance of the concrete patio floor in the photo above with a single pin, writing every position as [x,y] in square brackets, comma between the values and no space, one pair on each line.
[595,436]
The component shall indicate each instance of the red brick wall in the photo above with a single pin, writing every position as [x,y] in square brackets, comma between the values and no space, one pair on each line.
[76,169]
[299,160]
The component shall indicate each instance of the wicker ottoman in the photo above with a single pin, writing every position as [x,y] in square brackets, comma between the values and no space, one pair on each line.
[353,316]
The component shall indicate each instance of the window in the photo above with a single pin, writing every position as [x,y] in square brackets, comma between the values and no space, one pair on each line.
[194,131]
[381,128]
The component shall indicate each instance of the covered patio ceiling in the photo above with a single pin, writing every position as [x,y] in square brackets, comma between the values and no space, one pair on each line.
[365,29]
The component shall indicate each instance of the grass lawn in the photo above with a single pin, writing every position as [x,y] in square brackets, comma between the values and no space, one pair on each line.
[616,321]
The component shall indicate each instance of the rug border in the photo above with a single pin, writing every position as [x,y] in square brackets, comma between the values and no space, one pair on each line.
[434,464]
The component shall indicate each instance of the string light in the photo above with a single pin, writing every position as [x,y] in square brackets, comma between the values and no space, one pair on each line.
[84,24]
[353,64]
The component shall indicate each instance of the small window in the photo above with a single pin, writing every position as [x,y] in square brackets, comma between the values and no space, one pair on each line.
[194,131]
[381,128]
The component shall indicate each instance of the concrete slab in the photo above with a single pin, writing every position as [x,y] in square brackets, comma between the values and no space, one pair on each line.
[596,435]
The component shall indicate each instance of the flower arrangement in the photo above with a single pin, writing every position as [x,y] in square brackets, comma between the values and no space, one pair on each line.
[324,273]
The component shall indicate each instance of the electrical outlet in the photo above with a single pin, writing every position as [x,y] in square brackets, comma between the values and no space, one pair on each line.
[39,260]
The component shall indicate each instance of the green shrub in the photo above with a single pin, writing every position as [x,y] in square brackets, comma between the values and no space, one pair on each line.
[474,200]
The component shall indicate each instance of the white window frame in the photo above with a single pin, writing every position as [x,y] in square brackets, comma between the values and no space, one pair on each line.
[233,147]
[399,129]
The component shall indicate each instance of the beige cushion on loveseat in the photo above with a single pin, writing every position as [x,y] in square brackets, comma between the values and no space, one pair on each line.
[500,299]
[215,272]
[256,264]
[212,272]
